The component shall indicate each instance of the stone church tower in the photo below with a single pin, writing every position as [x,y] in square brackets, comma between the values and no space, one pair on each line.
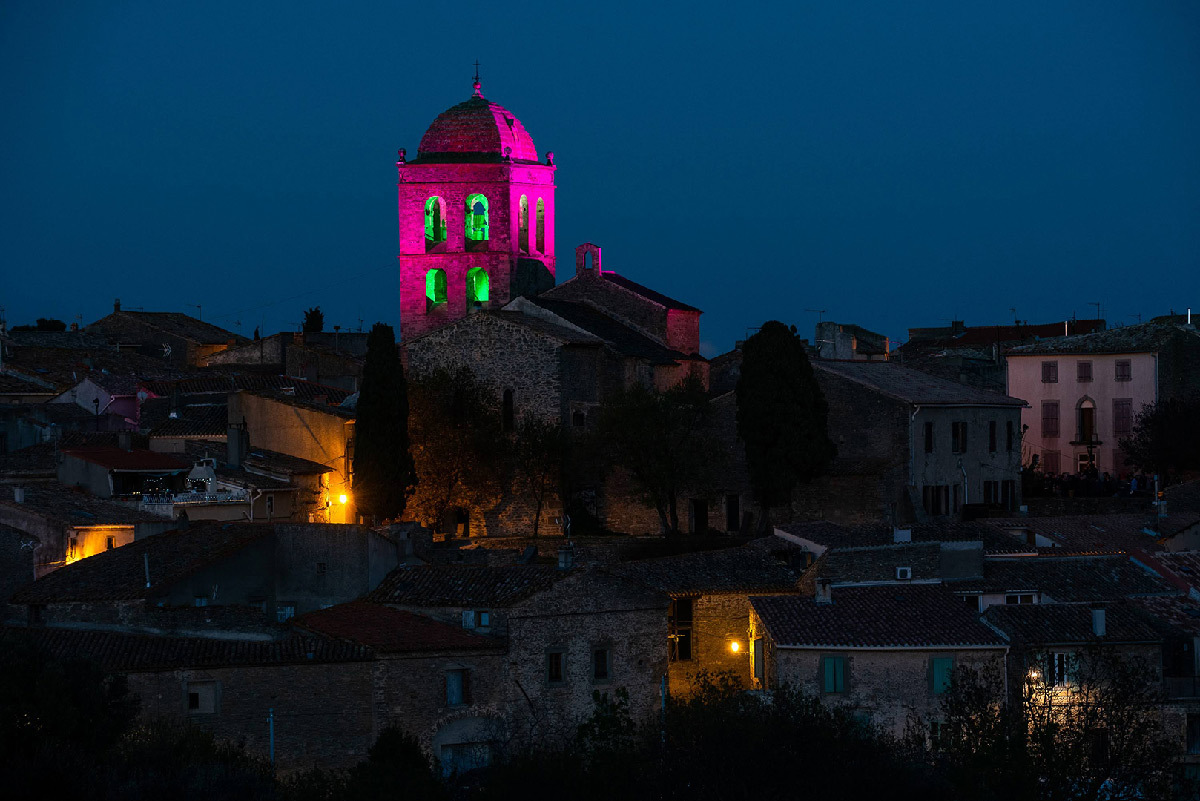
[476,217]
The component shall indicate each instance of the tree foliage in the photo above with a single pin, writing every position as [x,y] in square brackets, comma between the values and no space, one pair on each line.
[782,416]
[662,440]
[541,456]
[384,473]
[458,447]
[314,321]
[43,324]
[1166,437]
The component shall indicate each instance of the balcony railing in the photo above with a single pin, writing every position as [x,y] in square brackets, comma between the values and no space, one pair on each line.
[177,498]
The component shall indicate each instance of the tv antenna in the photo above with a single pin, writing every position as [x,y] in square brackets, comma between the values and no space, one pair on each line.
[1096,303]
[820,314]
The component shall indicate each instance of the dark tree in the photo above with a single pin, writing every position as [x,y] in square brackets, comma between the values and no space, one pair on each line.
[314,321]
[781,416]
[541,454]
[43,324]
[384,474]
[1166,437]
[256,334]
[662,440]
[458,447]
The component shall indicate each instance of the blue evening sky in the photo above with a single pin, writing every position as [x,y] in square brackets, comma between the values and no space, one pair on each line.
[896,164]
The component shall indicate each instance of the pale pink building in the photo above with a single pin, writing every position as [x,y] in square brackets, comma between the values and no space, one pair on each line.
[1085,392]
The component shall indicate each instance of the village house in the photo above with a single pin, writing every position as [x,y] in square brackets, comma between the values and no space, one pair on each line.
[886,652]
[176,339]
[1085,392]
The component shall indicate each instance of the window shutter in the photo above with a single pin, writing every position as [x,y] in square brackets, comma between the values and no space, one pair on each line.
[466,686]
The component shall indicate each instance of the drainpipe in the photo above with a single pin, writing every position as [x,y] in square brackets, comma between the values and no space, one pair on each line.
[966,488]
[254,496]
[912,447]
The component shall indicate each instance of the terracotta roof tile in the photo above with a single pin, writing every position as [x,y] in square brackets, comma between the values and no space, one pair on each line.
[1061,624]
[1069,579]
[74,507]
[464,585]
[913,386]
[1142,338]
[387,630]
[728,570]
[121,459]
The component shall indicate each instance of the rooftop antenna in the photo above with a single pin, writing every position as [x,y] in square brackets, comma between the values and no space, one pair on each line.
[195,306]
[1096,303]
[478,93]
[1014,314]
[1138,316]
[820,314]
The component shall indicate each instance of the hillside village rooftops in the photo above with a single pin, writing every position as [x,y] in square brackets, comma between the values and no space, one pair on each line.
[1070,624]
[879,563]
[129,460]
[131,653]
[225,383]
[392,631]
[913,386]
[619,336]
[1081,534]
[1149,337]
[1069,579]
[907,616]
[831,535]
[175,323]
[73,507]
[464,585]
[724,571]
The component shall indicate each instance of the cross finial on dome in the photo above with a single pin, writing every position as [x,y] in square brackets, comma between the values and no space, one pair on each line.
[478,93]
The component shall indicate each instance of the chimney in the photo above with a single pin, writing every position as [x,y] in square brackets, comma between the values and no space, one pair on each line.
[116,305]
[824,591]
[74,327]
[1099,627]
[237,443]
[19,494]
[566,557]
[901,535]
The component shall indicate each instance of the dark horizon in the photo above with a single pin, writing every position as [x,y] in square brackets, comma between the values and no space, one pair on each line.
[895,167]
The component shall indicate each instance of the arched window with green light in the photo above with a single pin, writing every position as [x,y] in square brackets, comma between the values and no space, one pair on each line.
[541,226]
[523,225]
[435,288]
[477,285]
[477,218]
[435,221]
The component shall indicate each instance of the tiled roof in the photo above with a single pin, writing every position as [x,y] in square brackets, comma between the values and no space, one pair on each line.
[987,335]
[120,574]
[1142,338]
[391,631]
[119,652]
[58,339]
[16,384]
[1115,533]
[619,336]
[233,382]
[727,570]
[1184,564]
[1063,624]
[995,540]
[464,585]
[910,616]
[257,459]
[314,404]
[1069,579]
[65,368]
[1183,497]
[194,420]
[646,292]
[74,507]
[121,459]
[476,130]
[913,386]
[1178,611]
[879,562]
[176,323]
[42,458]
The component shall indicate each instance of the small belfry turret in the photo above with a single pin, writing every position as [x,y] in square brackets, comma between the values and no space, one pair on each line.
[476,214]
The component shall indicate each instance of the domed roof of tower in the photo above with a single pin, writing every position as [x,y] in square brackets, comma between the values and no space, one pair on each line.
[477,130]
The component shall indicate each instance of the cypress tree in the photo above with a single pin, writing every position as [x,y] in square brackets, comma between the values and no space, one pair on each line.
[384,475]
[781,416]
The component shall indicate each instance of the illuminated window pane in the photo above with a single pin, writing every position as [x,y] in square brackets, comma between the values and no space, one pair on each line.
[477,285]
[541,225]
[435,220]
[435,286]
[477,218]
[523,233]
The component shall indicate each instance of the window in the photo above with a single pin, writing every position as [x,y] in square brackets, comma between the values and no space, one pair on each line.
[484,619]
[556,666]
[202,697]
[957,499]
[833,674]
[1051,462]
[1008,493]
[578,419]
[1122,417]
[601,664]
[936,499]
[973,602]
[1014,599]
[458,687]
[477,286]
[270,505]
[991,492]
[1083,372]
[201,600]
[1193,734]
[507,422]
[541,225]
[110,542]
[477,218]
[284,612]
[435,288]
[1124,370]
[679,619]
[733,513]
[435,222]
[1008,436]
[929,437]
[523,225]
[958,437]
[991,436]
[756,655]
[1049,418]
[1061,669]
[941,671]
[1049,372]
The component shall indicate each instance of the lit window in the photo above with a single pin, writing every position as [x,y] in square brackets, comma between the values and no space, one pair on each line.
[110,543]
[833,674]
[435,222]
[284,612]
[477,285]
[679,621]
[1060,670]
[435,288]
[477,218]
[541,225]
[523,225]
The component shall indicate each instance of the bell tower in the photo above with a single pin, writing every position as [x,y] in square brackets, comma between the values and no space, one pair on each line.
[476,213]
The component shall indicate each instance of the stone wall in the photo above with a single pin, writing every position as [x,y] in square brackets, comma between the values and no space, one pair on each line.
[718,621]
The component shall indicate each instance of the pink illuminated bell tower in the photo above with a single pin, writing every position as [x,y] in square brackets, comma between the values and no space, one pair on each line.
[476,217]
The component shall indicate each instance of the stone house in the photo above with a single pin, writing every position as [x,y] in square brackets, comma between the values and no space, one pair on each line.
[886,652]
[848,342]
[1084,392]
[710,594]
[176,339]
